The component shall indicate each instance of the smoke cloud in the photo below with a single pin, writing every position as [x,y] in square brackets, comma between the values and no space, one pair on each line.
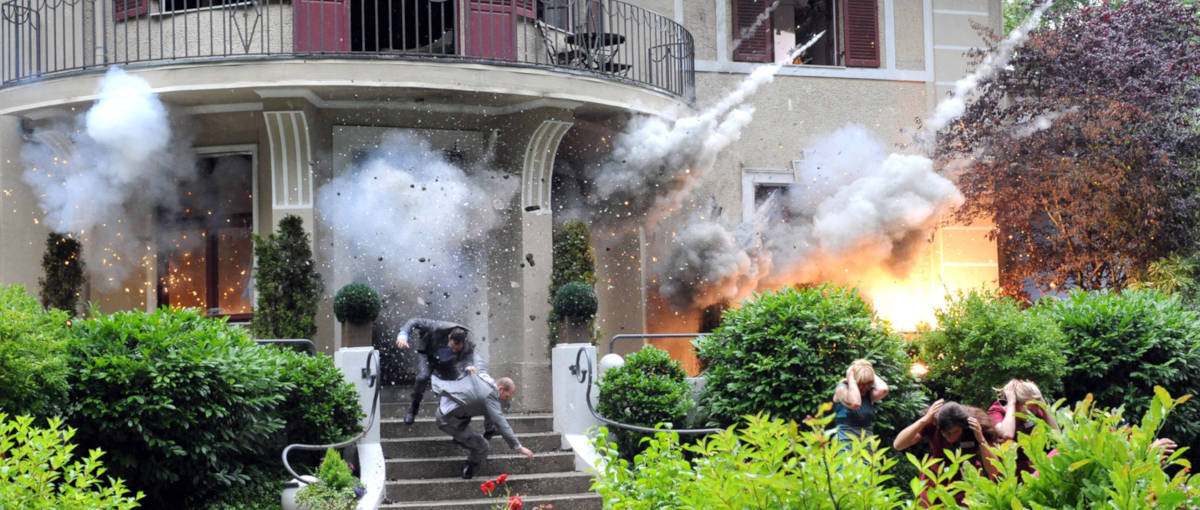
[96,173]
[410,222]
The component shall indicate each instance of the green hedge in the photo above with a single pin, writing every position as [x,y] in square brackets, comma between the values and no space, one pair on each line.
[649,389]
[783,353]
[1120,346]
[33,369]
[982,341]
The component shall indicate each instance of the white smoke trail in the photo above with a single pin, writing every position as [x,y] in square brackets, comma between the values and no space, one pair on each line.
[758,21]
[656,163]
[99,172]
[954,106]
[415,226]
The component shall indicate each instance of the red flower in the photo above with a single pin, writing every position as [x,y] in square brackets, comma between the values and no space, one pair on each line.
[488,486]
[500,479]
[515,503]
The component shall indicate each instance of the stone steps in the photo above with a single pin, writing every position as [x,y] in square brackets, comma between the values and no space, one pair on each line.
[511,463]
[587,501]
[456,489]
[395,428]
[443,446]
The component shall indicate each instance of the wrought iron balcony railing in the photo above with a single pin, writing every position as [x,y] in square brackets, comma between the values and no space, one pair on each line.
[608,38]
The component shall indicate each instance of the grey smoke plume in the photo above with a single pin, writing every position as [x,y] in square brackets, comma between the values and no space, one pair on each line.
[655,163]
[96,173]
[409,221]
[954,106]
[758,21]
[854,199]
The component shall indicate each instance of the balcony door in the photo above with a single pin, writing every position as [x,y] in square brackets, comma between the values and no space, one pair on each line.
[491,28]
[321,25]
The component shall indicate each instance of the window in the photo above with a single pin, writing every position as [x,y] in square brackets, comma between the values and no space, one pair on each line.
[183,5]
[851,31]
[206,247]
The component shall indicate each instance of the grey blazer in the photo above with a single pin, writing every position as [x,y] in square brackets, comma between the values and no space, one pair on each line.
[476,397]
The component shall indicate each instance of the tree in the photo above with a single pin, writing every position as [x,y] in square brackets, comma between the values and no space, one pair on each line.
[1083,151]
[64,273]
[287,283]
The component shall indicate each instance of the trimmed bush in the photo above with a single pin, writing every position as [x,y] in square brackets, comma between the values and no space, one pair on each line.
[33,371]
[765,463]
[322,407]
[39,470]
[575,302]
[356,303]
[192,397]
[783,353]
[288,284]
[649,389]
[1120,346]
[982,341]
[335,486]
[63,273]
[573,262]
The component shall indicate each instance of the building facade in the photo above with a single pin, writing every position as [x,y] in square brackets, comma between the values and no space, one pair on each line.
[277,102]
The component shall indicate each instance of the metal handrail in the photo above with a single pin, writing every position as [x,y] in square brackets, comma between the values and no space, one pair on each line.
[625,336]
[581,373]
[372,381]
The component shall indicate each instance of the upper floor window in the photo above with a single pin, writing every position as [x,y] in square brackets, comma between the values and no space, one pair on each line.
[764,34]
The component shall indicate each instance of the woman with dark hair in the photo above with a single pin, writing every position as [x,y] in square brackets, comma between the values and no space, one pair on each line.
[952,426]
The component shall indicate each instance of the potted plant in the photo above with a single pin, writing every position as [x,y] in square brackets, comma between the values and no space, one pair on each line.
[336,487]
[575,305]
[356,306]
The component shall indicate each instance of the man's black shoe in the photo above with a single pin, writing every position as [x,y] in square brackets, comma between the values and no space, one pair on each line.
[489,434]
[410,418]
[468,471]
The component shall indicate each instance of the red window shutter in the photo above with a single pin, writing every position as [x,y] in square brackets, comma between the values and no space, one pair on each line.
[125,9]
[757,45]
[527,8]
[861,26]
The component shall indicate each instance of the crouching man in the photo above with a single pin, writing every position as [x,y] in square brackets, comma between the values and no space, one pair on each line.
[475,395]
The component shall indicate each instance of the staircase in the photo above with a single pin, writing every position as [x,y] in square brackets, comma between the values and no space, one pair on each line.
[424,465]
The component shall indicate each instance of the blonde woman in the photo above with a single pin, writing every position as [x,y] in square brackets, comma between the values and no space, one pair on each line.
[854,400]
[1019,396]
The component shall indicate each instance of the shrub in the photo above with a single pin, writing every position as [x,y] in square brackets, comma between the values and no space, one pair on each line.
[1120,346]
[322,407]
[982,341]
[287,283]
[190,396]
[575,302]
[1098,462]
[260,492]
[63,268]
[649,389]
[766,463]
[573,262]
[335,488]
[784,352]
[357,303]
[33,373]
[38,470]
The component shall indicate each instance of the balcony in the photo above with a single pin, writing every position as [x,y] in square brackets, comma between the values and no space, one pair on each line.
[608,39]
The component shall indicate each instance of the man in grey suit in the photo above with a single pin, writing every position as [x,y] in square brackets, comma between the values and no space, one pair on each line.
[475,395]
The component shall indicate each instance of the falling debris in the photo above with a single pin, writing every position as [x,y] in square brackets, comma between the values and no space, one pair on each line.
[529,259]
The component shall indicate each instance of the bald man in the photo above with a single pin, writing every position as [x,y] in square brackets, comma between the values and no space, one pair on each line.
[476,395]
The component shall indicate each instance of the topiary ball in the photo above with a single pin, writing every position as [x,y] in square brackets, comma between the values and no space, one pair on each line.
[356,303]
[575,301]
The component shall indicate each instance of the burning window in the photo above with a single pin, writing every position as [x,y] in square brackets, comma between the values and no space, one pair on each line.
[813,17]
[206,249]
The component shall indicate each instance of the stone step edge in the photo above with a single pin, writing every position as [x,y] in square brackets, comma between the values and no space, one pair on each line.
[507,456]
[531,500]
[520,435]
[423,419]
[481,479]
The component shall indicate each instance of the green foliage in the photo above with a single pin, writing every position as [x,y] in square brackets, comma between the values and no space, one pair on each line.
[1120,346]
[576,302]
[322,407]
[261,492]
[357,303]
[784,352]
[648,390]
[766,463]
[33,372]
[983,340]
[573,262]
[1176,275]
[288,284]
[334,488]
[190,396]
[1098,463]
[38,471]
[63,269]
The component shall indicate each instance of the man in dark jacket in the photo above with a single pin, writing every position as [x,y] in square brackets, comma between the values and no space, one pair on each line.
[475,395]
[432,341]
